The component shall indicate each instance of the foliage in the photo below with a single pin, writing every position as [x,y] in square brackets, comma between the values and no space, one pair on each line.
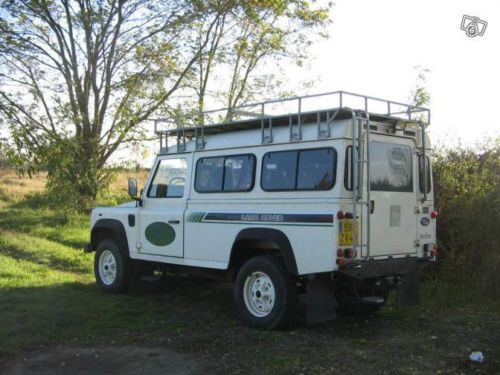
[78,78]
[252,35]
[419,95]
[467,189]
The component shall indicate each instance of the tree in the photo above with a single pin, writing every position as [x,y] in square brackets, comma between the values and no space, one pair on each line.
[79,77]
[419,96]
[247,38]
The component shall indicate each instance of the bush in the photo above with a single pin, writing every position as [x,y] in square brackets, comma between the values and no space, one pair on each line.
[468,197]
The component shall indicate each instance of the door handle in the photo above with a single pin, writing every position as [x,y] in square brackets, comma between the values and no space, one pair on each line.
[173,221]
[372,206]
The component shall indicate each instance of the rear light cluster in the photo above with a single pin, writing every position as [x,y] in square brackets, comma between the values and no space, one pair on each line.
[342,254]
[434,252]
[434,214]
[341,215]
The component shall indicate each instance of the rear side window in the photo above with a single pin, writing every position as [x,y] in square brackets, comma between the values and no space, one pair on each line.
[391,167]
[239,173]
[421,172]
[349,168]
[225,174]
[279,170]
[299,170]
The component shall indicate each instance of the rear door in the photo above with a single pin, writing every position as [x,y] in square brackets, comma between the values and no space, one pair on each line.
[393,194]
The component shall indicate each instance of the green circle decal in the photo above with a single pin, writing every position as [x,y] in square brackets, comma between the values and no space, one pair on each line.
[160,234]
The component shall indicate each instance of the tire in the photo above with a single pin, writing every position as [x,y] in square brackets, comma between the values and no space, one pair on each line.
[265,293]
[111,267]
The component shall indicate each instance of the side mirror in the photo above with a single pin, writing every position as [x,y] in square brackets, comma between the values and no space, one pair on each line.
[132,187]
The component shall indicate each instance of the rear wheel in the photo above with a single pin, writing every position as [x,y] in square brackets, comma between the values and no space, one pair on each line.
[111,267]
[265,293]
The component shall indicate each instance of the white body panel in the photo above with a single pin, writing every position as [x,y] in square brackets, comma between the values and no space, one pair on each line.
[210,222]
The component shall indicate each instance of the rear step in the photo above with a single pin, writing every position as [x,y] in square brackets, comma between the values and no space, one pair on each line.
[363,305]
[371,300]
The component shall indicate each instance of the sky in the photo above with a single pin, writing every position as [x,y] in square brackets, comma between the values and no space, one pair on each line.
[374,45]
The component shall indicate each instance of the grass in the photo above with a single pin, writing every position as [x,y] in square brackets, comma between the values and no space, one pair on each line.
[48,293]
[48,297]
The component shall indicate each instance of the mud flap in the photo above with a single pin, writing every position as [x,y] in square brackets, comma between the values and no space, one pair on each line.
[407,291]
[321,304]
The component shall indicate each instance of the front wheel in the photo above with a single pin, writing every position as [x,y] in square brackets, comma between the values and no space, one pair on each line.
[265,293]
[111,267]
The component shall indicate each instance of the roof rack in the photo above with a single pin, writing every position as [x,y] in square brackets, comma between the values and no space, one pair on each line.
[321,108]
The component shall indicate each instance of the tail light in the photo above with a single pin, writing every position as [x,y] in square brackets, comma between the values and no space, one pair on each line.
[340,253]
[340,261]
[434,214]
[340,215]
[434,251]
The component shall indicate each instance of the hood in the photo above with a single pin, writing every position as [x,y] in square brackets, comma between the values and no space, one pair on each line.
[127,204]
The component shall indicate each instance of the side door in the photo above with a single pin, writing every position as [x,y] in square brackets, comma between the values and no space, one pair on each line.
[161,222]
[393,220]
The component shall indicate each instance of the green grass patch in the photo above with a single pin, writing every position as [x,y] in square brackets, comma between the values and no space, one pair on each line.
[48,296]
[48,293]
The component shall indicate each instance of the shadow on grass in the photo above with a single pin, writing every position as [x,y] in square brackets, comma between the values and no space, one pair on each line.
[53,261]
[54,225]
[83,314]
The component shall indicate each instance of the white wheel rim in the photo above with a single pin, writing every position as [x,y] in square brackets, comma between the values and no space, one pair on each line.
[107,267]
[259,294]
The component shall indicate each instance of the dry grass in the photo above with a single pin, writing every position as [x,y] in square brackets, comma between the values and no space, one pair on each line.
[120,182]
[15,188]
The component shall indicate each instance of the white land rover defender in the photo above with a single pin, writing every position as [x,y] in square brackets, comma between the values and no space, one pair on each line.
[306,196]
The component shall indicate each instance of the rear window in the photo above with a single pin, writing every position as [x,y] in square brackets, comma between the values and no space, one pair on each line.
[391,167]
[299,170]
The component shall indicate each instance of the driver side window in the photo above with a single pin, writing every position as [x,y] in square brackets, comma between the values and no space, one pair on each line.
[169,179]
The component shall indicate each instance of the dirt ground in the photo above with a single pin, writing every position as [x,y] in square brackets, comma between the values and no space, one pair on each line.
[209,339]
[110,360]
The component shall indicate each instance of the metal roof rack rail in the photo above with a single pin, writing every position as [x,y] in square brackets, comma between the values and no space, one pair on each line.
[321,108]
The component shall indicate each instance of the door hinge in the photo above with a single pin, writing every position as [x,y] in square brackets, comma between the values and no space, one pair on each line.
[416,243]
[138,245]
[417,210]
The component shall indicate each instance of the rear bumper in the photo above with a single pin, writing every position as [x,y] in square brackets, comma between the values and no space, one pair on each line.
[380,268]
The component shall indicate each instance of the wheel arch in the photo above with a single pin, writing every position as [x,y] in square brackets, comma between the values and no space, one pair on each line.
[251,242]
[109,229]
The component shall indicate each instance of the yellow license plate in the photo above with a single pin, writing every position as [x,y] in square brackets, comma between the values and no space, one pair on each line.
[346,230]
